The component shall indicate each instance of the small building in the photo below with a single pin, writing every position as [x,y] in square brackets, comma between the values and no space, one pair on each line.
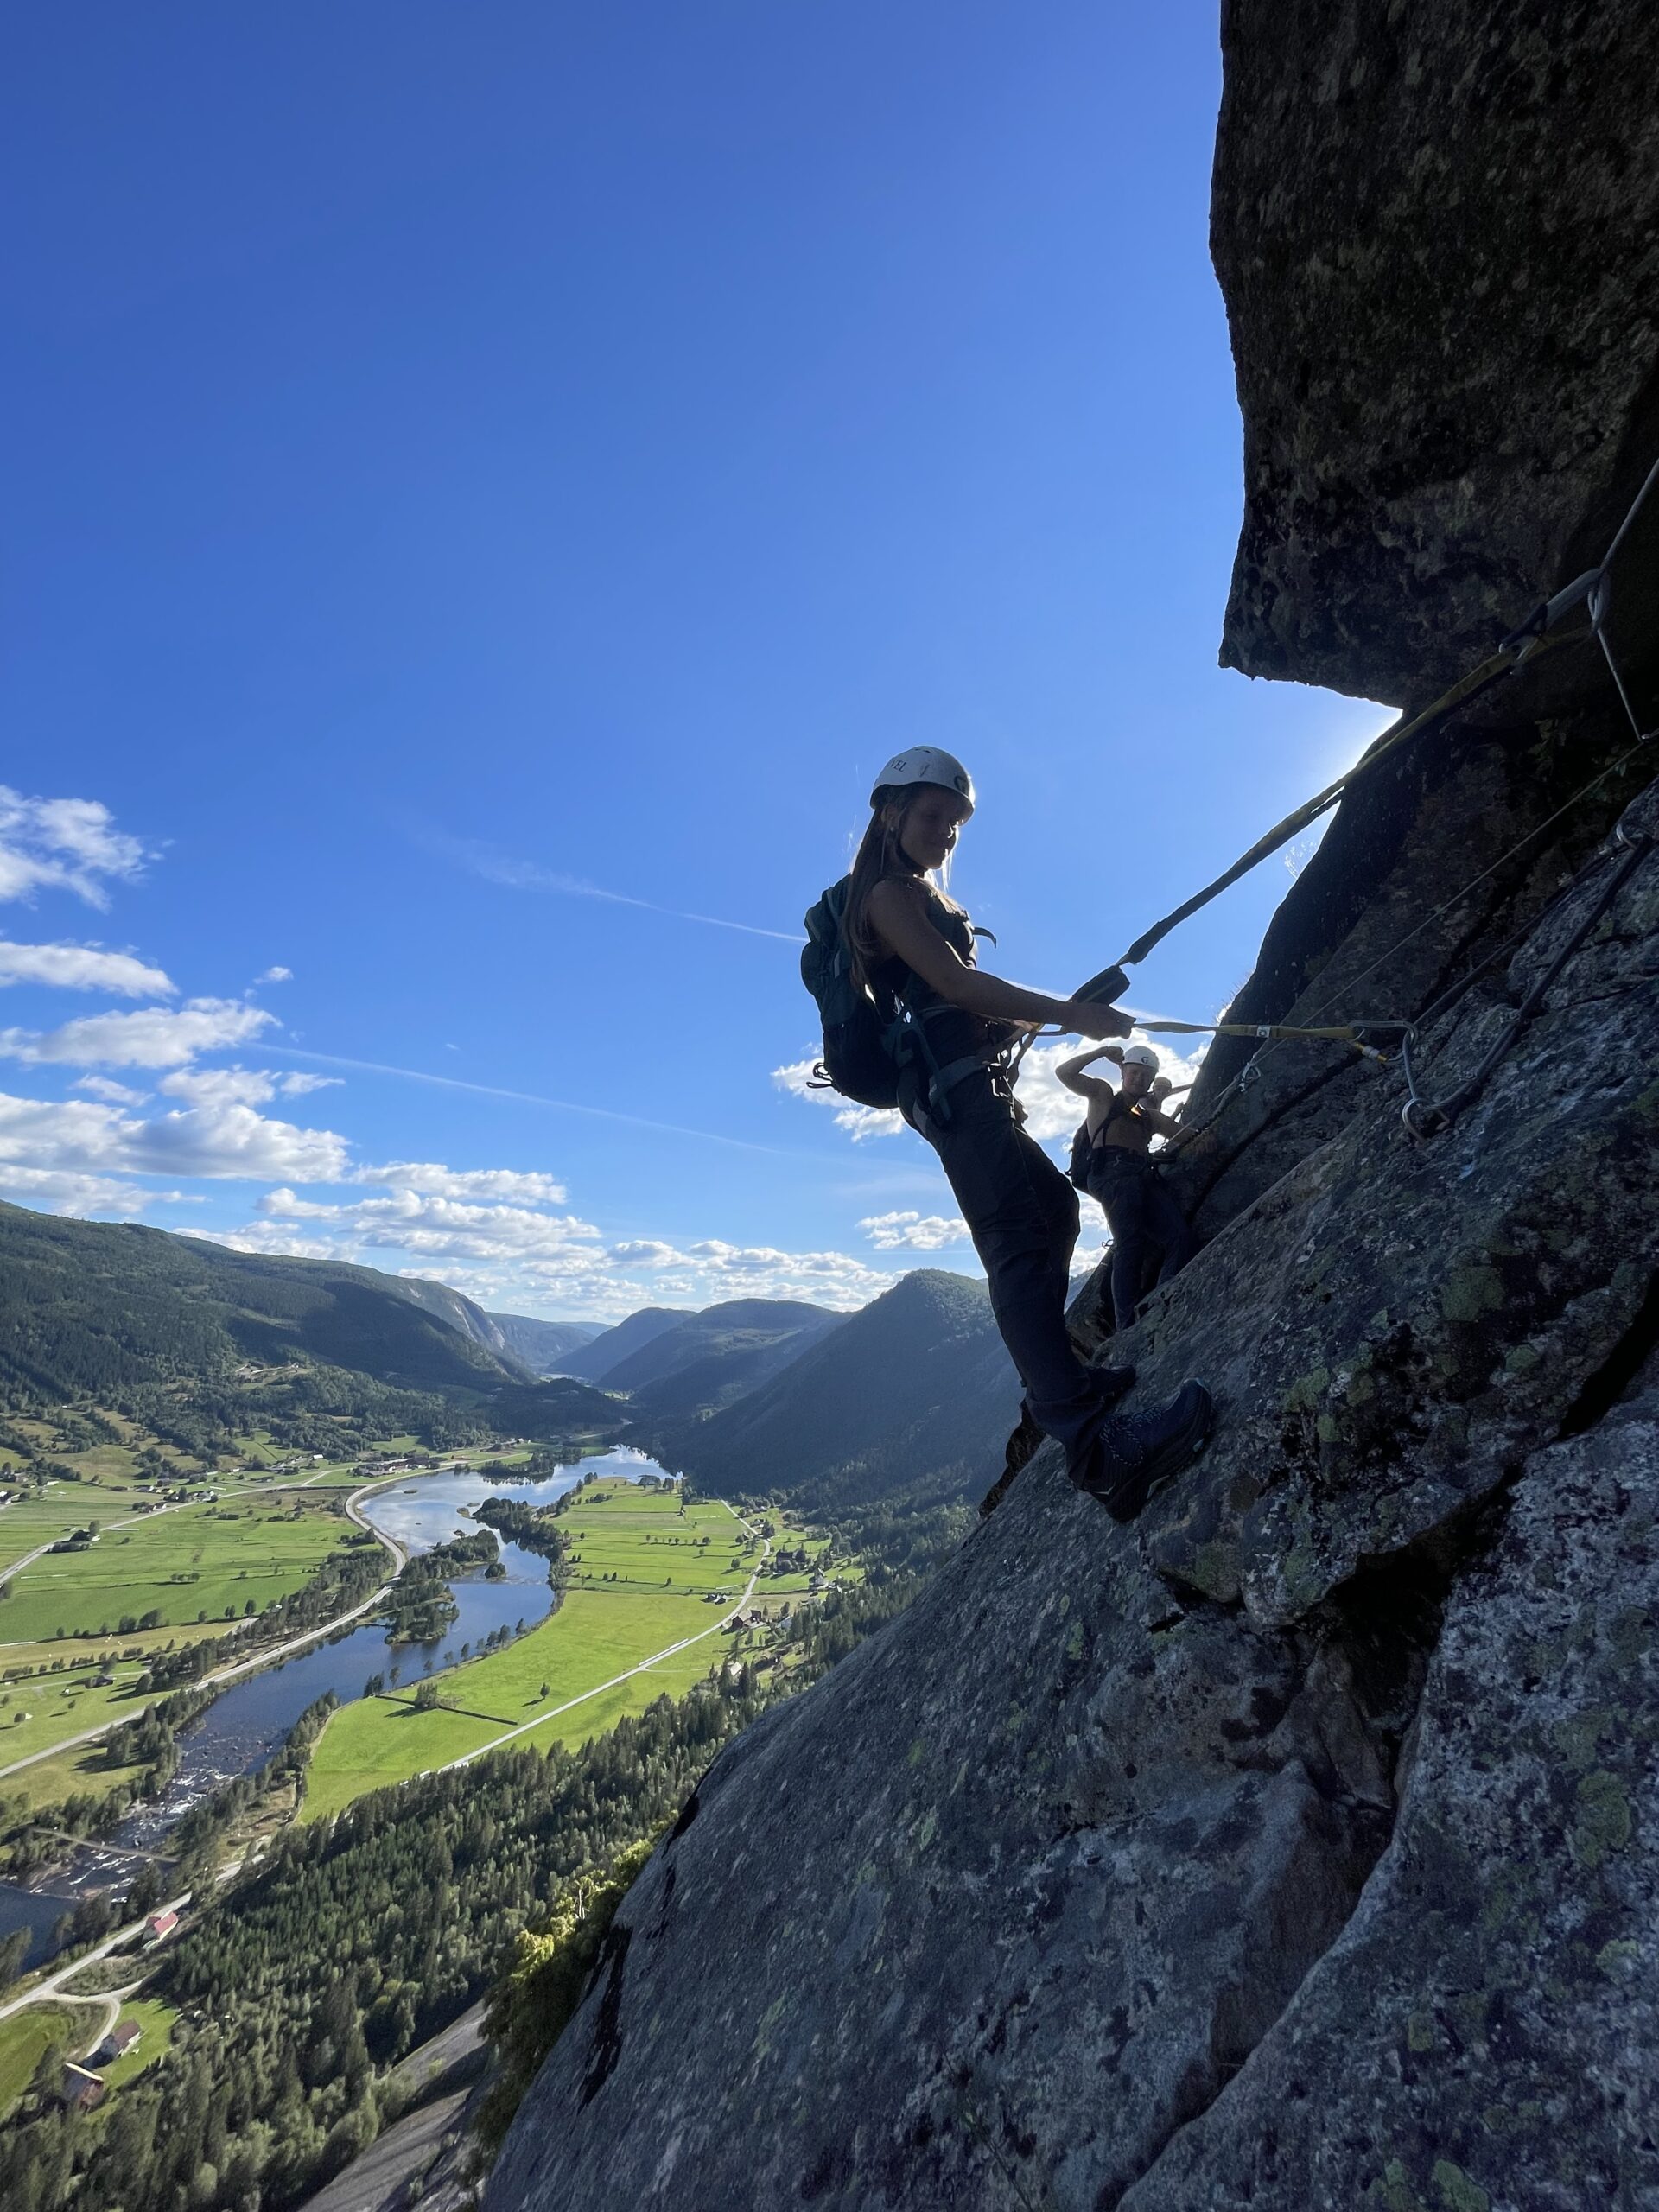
[81,2087]
[120,2040]
[160,1926]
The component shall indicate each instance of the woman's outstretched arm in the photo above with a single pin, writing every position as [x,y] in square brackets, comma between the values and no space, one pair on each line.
[897,918]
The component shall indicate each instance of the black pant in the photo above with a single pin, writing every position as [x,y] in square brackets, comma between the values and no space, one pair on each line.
[1022,1214]
[1143,1219]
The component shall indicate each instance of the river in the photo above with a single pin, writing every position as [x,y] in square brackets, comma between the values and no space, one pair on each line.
[245,1726]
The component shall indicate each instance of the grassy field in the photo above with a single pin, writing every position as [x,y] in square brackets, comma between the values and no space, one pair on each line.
[645,1577]
[25,2034]
[50,1708]
[206,1560]
[156,2020]
[49,1780]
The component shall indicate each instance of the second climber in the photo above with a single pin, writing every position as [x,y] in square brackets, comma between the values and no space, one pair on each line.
[1115,1166]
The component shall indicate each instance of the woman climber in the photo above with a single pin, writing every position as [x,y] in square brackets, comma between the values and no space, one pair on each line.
[913,950]
[1117,1168]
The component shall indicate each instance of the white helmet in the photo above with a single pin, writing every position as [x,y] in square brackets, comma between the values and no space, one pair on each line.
[925,763]
[1139,1055]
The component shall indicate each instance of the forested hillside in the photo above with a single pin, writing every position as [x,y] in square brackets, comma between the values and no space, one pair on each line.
[911,1397]
[94,1307]
[360,1938]
[710,1359]
[592,1362]
[203,1345]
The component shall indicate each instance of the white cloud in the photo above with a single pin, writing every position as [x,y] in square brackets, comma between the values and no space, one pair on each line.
[68,845]
[105,1087]
[423,1223]
[61,1190]
[238,1086]
[232,1141]
[508,1183]
[267,1236]
[80,968]
[522,1259]
[233,1086]
[859,1121]
[711,1269]
[276,975]
[154,1037]
[914,1232]
[215,1143]
[1051,1110]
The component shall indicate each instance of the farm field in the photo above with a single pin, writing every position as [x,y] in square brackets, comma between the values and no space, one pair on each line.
[216,1562]
[25,2034]
[47,1709]
[156,2019]
[69,1774]
[665,1575]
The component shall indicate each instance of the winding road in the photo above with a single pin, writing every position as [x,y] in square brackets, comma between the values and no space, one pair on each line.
[51,1985]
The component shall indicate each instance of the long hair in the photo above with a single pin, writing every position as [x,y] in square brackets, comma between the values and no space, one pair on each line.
[877,858]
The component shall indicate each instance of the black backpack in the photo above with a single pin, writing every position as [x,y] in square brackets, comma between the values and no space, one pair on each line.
[862,1041]
[1083,1152]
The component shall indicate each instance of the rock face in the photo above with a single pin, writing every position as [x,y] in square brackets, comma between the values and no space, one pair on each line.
[1298,1846]
[1438,232]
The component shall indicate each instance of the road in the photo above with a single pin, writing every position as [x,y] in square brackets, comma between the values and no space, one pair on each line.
[111,2000]
[599,1689]
[271,1653]
[51,1985]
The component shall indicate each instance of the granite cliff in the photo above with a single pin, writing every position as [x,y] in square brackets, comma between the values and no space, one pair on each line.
[1298,1846]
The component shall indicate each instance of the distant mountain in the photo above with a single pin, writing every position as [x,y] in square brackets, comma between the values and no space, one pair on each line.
[544,1347]
[914,1395]
[556,1408]
[594,1361]
[749,1336]
[712,1358]
[97,1308]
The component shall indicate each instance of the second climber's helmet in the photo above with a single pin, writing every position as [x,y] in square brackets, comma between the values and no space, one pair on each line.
[925,763]
[1140,1056]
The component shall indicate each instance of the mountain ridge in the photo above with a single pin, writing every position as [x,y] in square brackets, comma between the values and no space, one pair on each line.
[914,1393]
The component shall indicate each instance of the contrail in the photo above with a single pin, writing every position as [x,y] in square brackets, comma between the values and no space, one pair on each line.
[530,876]
[532,1098]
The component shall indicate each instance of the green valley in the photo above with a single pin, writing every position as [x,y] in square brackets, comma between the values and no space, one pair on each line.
[651,1583]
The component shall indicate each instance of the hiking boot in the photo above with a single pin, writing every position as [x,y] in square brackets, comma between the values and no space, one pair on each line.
[1136,1454]
[1108,1383]
[1020,1451]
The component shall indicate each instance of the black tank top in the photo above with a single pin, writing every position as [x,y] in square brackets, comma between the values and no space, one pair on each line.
[952,1033]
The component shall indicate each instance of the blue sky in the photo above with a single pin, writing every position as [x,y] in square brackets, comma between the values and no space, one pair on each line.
[485,483]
